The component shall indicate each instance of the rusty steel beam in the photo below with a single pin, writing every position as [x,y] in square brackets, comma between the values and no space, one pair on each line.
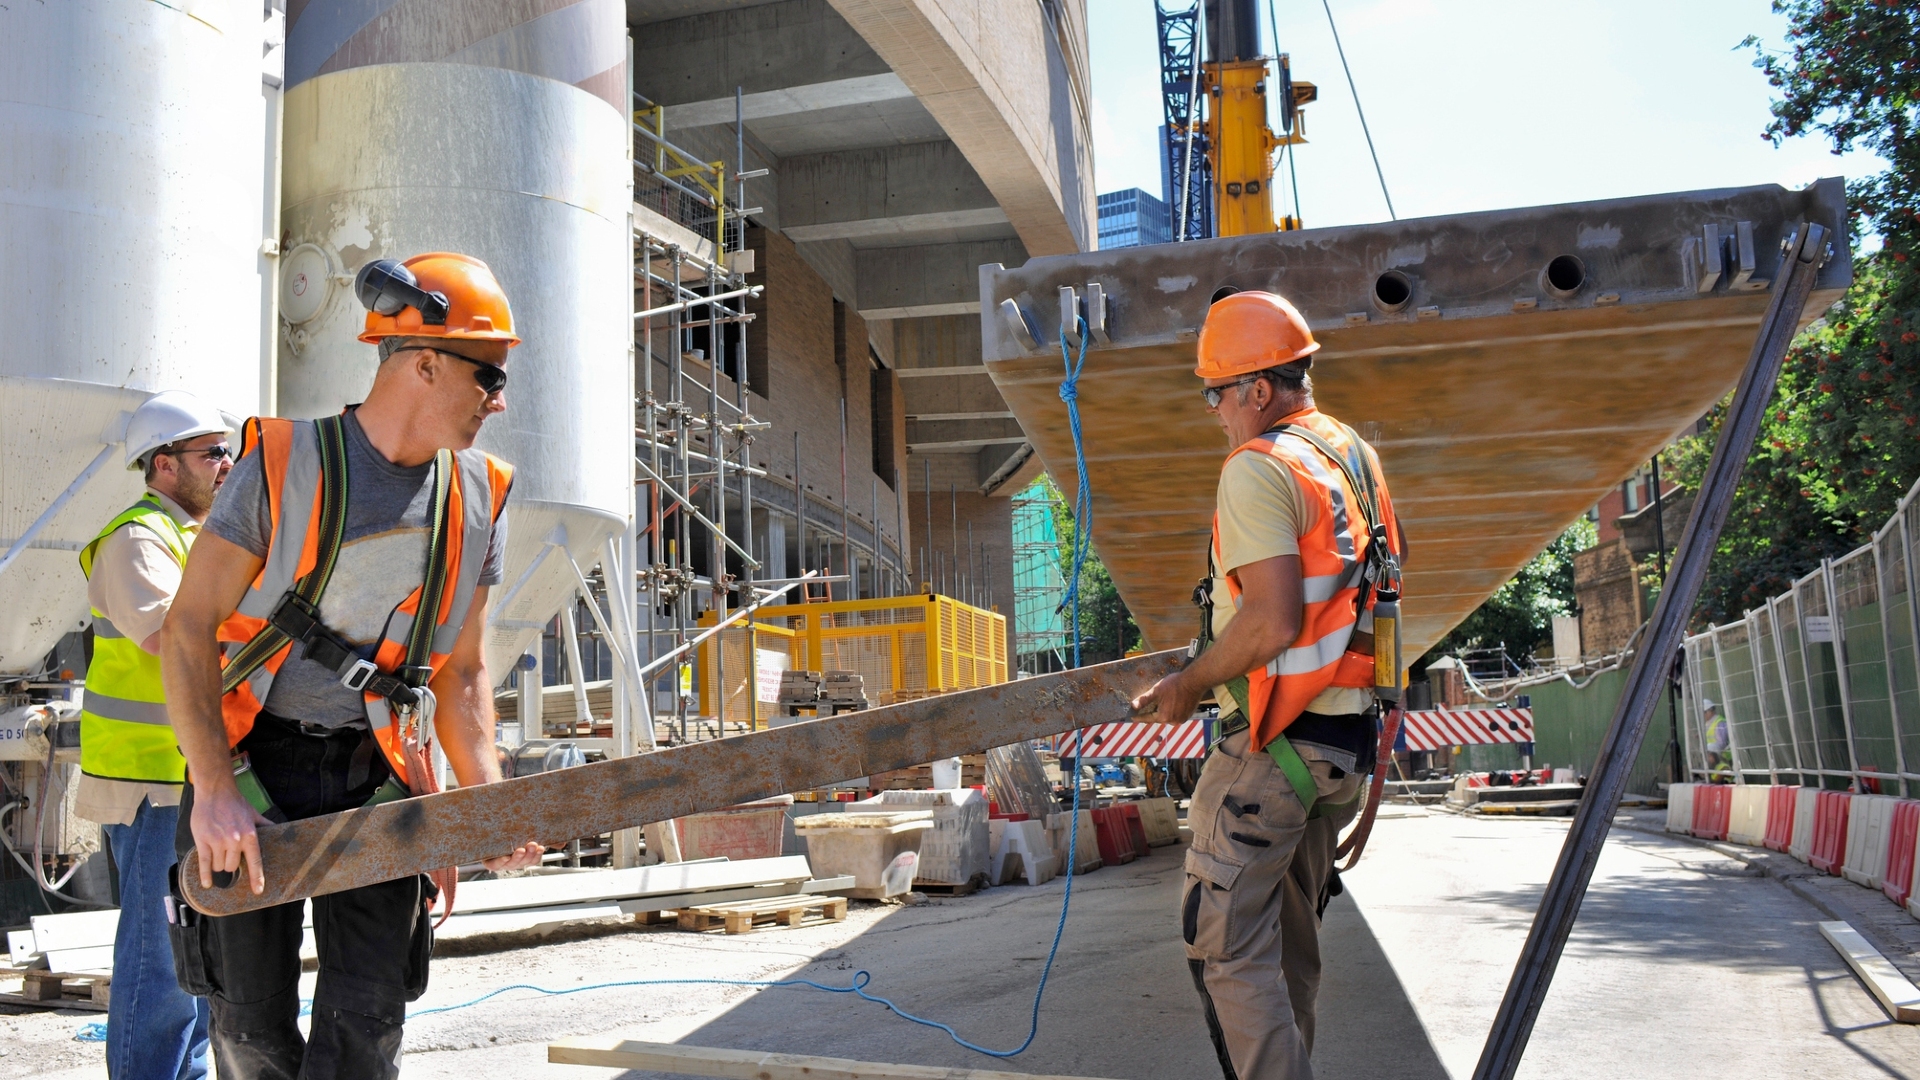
[1512,367]
[341,851]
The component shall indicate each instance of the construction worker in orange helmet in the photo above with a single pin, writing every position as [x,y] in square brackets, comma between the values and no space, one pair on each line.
[1304,542]
[345,571]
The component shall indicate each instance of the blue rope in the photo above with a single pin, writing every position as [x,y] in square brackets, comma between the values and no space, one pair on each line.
[1083,496]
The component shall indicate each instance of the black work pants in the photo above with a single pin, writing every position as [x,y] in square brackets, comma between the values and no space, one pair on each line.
[373,941]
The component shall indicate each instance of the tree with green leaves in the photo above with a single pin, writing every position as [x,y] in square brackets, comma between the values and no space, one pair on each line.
[1519,614]
[1107,629]
[1840,445]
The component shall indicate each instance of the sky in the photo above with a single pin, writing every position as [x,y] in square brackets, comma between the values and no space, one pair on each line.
[1488,104]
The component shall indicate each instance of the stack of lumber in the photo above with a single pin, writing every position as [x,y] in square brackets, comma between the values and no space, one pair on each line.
[557,707]
[81,943]
[973,771]
[506,905]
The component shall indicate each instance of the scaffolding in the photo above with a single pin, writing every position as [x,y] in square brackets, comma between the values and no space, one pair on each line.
[709,532]
[1041,635]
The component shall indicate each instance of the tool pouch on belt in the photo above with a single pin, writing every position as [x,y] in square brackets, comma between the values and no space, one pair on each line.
[186,934]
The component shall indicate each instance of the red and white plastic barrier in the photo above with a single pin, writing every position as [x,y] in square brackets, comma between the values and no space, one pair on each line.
[1903,851]
[1781,800]
[1804,803]
[1437,729]
[1680,808]
[1870,820]
[1871,840]
[1183,740]
[1712,809]
[1747,819]
[1830,813]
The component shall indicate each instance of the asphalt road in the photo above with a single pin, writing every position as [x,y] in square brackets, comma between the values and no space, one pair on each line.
[1685,963]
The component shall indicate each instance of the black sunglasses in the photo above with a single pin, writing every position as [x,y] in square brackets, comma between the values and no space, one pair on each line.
[491,377]
[215,454]
[1213,394]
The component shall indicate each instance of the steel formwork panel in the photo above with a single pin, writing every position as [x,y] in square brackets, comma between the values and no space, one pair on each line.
[1502,408]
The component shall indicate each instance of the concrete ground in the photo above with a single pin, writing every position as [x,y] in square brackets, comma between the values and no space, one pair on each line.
[1685,962]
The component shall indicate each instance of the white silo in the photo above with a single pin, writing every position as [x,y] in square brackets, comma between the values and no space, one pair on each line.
[501,136]
[131,261]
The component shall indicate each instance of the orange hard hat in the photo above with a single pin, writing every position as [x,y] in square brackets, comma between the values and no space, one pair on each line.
[439,294]
[1247,332]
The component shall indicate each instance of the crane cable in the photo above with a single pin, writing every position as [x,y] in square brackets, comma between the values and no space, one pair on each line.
[1356,103]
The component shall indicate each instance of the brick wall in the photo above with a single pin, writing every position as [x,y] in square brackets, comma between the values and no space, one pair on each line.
[1612,604]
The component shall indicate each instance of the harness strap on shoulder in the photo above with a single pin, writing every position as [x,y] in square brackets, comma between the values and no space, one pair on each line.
[1363,490]
[331,433]
[415,670]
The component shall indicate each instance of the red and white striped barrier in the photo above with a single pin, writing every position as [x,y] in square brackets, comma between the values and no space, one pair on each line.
[1680,808]
[1747,820]
[1869,828]
[1184,740]
[1712,809]
[1830,812]
[1805,803]
[1903,852]
[1781,799]
[1437,729]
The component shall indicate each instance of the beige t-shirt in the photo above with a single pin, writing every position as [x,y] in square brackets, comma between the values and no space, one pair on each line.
[134,579]
[1262,514]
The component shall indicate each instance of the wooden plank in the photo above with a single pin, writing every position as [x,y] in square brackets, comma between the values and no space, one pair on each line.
[1896,995]
[742,918]
[82,1004]
[754,1064]
[549,890]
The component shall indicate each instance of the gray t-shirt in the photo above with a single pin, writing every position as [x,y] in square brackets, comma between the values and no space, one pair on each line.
[382,560]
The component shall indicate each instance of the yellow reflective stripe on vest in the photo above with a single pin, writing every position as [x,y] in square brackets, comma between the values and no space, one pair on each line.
[124,732]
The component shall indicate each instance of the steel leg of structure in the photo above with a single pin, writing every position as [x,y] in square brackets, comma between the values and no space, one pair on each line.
[359,847]
[1533,973]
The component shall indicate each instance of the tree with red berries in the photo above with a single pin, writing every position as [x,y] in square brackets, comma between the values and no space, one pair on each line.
[1841,444]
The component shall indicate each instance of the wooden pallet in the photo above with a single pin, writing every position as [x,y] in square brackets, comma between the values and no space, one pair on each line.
[777,910]
[62,990]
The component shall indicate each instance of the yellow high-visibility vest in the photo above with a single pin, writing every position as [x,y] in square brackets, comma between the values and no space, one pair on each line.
[124,732]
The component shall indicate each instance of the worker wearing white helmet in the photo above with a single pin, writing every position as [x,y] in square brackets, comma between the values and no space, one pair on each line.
[1719,741]
[131,768]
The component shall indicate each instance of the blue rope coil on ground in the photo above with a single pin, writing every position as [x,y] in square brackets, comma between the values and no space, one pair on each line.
[1082,518]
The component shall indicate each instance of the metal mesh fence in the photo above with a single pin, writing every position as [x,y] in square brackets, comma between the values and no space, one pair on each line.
[1821,686]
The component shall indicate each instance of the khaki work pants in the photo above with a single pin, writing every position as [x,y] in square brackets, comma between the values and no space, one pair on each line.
[1250,907]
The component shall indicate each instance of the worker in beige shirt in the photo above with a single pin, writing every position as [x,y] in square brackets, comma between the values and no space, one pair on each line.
[131,770]
[1304,539]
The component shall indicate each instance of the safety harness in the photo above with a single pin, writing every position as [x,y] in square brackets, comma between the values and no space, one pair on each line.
[296,618]
[1380,576]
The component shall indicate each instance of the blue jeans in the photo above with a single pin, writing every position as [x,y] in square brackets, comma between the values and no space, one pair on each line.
[155,1031]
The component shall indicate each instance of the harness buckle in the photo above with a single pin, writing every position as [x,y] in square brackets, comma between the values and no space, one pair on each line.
[358,674]
[294,616]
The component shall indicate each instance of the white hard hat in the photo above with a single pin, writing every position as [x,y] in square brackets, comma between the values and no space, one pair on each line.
[168,417]
[1708,703]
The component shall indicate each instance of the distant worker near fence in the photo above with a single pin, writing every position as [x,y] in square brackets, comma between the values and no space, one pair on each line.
[1305,546]
[1719,743]
[346,572]
[131,771]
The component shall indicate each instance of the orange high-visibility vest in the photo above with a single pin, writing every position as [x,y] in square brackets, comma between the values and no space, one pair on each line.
[1333,562]
[291,457]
